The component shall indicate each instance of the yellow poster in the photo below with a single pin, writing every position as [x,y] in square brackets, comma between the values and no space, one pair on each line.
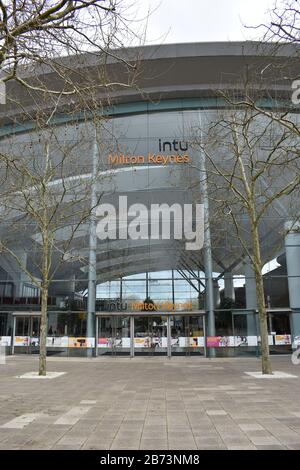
[21,340]
[77,342]
[139,342]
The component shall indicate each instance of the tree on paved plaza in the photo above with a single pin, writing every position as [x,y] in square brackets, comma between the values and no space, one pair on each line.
[61,61]
[253,174]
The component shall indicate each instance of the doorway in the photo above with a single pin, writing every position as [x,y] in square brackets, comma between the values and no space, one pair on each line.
[27,333]
[113,335]
[150,335]
[187,335]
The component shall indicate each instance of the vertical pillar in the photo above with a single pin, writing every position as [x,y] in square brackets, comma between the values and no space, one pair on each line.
[15,272]
[73,285]
[204,334]
[169,336]
[173,290]
[292,252]
[91,307]
[23,276]
[13,336]
[132,336]
[96,337]
[121,291]
[229,286]
[199,291]
[251,300]
[30,333]
[270,323]
[209,290]
[217,299]
[147,285]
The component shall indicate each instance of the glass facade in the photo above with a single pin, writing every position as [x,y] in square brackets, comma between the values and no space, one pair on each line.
[158,278]
[144,334]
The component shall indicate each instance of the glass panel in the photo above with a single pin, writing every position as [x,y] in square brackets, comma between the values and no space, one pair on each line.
[187,335]
[22,326]
[113,335]
[223,322]
[57,324]
[280,332]
[34,334]
[4,324]
[150,335]
[244,334]
[22,333]
[279,323]
[35,327]
[5,329]
[76,322]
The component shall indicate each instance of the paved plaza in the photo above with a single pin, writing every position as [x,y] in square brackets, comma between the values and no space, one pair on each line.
[149,403]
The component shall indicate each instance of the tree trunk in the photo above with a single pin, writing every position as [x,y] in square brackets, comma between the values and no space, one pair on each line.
[44,303]
[43,331]
[262,313]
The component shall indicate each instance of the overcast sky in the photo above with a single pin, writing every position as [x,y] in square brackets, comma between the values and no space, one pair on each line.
[202,20]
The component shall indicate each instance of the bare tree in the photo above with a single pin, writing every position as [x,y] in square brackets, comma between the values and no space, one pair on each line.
[253,170]
[46,200]
[262,174]
[44,33]
[277,80]
[283,24]
[58,57]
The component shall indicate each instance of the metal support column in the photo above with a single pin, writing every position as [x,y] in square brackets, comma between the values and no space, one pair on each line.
[30,327]
[13,336]
[229,286]
[209,290]
[147,285]
[292,253]
[96,337]
[199,291]
[270,322]
[204,334]
[91,307]
[173,290]
[132,336]
[121,291]
[169,351]
[251,300]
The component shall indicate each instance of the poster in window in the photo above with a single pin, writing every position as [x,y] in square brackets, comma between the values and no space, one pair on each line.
[281,340]
[252,340]
[141,342]
[5,340]
[21,340]
[104,342]
[57,342]
[125,342]
[81,342]
[240,341]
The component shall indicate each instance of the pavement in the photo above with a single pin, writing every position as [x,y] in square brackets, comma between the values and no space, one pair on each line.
[149,403]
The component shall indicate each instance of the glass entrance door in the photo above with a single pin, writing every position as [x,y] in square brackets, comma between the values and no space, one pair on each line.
[34,333]
[187,335]
[150,335]
[27,334]
[280,332]
[114,335]
[22,334]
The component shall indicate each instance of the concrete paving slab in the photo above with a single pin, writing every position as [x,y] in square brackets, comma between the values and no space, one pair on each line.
[105,403]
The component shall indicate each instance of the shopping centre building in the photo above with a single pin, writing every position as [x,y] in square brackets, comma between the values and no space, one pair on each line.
[150,294]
